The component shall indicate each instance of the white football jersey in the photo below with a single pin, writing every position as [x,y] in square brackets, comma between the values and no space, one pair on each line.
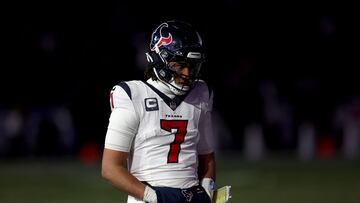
[162,135]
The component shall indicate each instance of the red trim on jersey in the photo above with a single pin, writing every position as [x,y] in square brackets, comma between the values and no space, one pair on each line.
[111,100]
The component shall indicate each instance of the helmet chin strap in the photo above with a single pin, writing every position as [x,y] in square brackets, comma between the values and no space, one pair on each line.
[178,89]
[174,88]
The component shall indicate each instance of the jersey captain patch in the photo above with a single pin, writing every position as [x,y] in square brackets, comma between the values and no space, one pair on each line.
[151,104]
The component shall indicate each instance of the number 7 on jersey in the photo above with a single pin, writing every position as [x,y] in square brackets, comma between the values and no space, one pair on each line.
[180,126]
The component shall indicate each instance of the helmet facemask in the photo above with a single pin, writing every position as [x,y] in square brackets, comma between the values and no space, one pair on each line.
[170,72]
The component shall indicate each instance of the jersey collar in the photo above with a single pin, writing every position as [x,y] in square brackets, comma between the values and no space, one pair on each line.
[173,101]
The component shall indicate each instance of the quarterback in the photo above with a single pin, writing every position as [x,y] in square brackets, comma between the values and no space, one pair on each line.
[158,144]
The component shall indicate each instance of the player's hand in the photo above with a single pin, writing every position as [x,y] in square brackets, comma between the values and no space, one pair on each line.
[162,195]
[150,195]
[166,194]
[209,185]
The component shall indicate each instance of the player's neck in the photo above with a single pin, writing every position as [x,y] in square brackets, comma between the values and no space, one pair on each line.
[161,87]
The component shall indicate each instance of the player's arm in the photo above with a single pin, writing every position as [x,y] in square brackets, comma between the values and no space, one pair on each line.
[206,157]
[207,167]
[207,172]
[114,170]
[121,131]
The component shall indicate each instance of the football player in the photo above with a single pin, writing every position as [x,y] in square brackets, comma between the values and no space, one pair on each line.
[158,145]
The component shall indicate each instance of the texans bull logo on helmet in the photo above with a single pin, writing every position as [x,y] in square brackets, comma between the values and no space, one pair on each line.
[163,40]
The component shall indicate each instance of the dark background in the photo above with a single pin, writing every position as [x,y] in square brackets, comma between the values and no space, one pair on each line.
[298,59]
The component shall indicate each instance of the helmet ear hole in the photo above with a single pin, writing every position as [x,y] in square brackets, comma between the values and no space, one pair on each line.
[163,74]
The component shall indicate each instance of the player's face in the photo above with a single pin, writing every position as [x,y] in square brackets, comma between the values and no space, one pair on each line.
[183,71]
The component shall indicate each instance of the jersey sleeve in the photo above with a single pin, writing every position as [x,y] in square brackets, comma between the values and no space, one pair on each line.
[205,145]
[123,121]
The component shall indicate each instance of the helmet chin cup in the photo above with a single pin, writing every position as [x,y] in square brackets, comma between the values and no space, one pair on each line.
[178,89]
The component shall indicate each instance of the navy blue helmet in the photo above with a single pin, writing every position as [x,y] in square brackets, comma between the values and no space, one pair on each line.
[175,41]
